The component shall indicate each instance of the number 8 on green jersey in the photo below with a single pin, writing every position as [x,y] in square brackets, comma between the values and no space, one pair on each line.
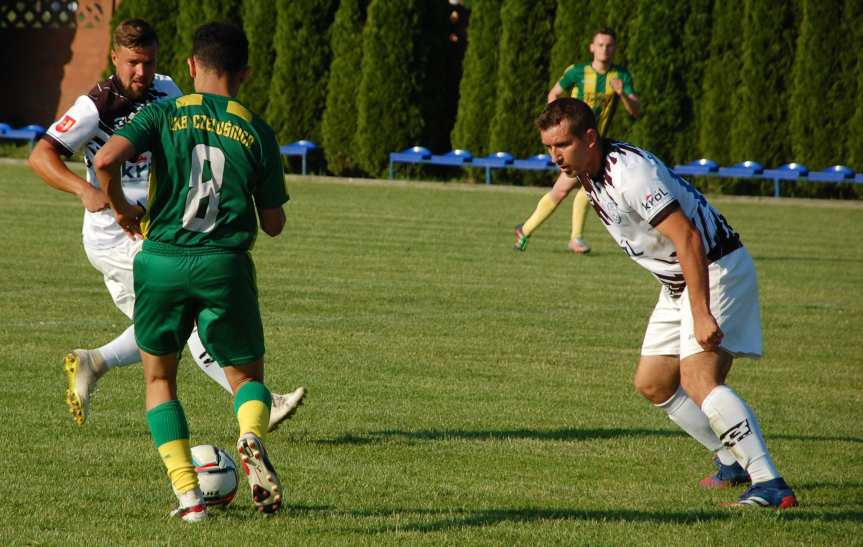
[213,164]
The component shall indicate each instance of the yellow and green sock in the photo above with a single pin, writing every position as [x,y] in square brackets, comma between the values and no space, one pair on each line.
[252,407]
[170,432]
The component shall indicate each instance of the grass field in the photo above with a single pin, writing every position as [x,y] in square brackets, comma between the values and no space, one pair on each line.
[459,393]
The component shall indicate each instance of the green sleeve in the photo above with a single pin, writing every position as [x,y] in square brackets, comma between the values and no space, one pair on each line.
[569,78]
[143,130]
[270,192]
[628,85]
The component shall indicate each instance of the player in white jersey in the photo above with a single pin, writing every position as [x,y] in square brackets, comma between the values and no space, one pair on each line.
[708,311]
[87,125]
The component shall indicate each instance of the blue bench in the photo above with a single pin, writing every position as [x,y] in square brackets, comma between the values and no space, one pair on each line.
[697,168]
[302,149]
[29,133]
[754,170]
[463,158]
[421,155]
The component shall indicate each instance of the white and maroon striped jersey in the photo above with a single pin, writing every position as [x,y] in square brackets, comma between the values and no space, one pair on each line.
[88,124]
[634,192]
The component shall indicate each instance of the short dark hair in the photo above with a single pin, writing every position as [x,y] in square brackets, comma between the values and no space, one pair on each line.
[134,34]
[577,113]
[604,30]
[222,47]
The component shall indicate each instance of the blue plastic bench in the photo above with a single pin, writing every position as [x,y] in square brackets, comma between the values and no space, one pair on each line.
[703,167]
[498,160]
[29,133]
[453,158]
[302,149]
[539,162]
[415,154]
[744,169]
[837,173]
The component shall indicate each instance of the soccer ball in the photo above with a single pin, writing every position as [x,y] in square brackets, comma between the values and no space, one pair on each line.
[217,474]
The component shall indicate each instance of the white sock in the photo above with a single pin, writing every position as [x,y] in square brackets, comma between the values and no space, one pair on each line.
[735,424]
[686,414]
[122,350]
[206,363]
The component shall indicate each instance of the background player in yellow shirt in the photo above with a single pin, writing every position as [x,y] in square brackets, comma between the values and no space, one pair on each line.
[602,85]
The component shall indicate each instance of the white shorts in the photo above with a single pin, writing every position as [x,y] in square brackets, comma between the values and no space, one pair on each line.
[733,302]
[115,263]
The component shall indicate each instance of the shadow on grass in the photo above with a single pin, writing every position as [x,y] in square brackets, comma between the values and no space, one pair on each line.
[449,519]
[564,434]
[816,259]
[818,438]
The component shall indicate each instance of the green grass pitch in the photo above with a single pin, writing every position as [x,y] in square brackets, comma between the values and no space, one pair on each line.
[460,393]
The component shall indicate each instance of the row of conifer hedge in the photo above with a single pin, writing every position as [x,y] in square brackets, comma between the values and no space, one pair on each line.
[767,80]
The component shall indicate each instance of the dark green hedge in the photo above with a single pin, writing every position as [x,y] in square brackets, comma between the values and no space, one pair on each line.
[299,81]
[527,33]
[260,25]
[478,88]
[768,80]
[339,125]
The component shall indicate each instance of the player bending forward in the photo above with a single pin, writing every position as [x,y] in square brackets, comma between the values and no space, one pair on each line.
[708,311]
[88,124]
[217,172]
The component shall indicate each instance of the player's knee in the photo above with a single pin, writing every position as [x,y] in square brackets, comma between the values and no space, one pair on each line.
[653,391]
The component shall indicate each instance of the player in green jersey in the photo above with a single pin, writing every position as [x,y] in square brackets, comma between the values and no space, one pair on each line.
[602,85]
[216,172]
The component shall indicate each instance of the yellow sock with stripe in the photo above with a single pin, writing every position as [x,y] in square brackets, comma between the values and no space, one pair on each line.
[579,214]
[252,406]
[170,432]
[544,209]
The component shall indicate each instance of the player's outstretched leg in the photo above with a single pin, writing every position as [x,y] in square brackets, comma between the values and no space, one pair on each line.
[263,480]
[170,431]
[284,406]
[736,425]
[252,406]
[83,369]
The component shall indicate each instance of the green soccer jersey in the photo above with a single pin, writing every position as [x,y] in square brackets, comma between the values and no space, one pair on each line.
[583,82]
[213,163]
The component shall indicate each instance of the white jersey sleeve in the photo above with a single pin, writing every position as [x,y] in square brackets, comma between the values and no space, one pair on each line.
[647,193]
[634,192]
[77,126]
[87,126]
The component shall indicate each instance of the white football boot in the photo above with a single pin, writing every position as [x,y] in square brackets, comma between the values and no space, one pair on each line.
[83,369]
[191,506]
[284,406]
[263,480]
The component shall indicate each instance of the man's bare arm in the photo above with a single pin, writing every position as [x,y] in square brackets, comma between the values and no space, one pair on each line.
[272,220]
[108,162]
[690,252]
[47,163]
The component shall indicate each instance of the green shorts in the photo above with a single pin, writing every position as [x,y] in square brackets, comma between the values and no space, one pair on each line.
[176,288]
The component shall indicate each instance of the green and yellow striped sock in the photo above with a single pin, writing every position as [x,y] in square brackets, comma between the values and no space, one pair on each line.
[252,406]
[170,432]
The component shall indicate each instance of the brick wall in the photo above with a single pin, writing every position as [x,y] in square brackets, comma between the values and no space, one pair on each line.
[45,69]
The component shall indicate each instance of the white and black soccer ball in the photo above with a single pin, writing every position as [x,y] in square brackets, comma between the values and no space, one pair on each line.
[217,474]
